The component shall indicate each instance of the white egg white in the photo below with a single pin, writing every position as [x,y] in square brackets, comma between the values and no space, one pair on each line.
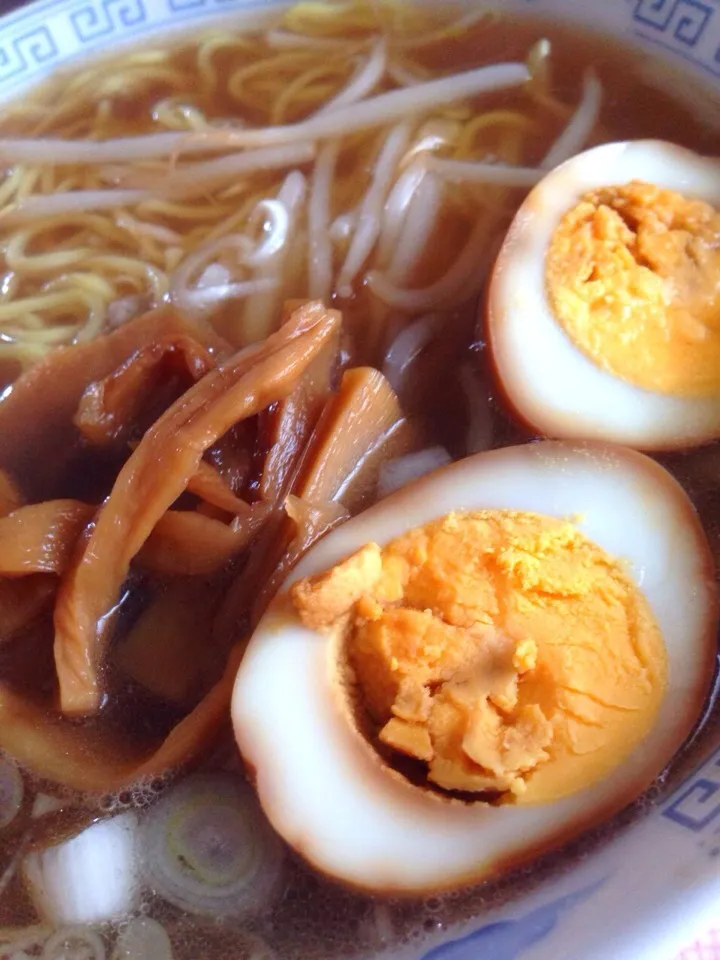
[551,384]
[322,784]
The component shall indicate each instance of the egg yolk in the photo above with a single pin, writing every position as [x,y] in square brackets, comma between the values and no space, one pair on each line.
[633,276]
[504,651]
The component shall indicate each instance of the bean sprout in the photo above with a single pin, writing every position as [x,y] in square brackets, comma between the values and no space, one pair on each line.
[471,171]
[420,221]
[271,257]
[463,279]
[276,231]
[319,249]
[396,207]
[407,347]
[181,290]
[575,135]
[363,83]
[194,179]
[369,217]
[376,111]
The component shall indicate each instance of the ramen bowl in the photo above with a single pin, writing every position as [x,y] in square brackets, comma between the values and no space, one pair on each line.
[643,884]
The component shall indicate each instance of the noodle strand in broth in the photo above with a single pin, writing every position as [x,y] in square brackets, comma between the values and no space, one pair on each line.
[82,204]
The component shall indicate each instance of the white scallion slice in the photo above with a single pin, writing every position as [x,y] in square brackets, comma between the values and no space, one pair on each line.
[143,939]
[89,879]
[209,850]
[74,943]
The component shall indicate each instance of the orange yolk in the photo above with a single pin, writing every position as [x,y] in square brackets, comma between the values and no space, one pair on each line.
[503,650]
[633,277]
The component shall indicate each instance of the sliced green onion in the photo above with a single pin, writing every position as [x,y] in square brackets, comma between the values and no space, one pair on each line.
[91,878]
[209,850]
[143,939]
[74,943]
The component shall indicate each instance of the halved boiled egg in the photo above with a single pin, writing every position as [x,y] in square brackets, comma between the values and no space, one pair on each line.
[479,666]
[603,310]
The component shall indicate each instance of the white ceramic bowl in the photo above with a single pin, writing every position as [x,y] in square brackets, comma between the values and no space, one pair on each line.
[645,893]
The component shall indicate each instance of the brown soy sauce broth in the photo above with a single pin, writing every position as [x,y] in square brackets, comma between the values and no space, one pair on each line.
[316,919]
